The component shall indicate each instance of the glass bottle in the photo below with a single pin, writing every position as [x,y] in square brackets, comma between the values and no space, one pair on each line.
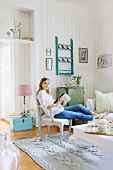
[9,154]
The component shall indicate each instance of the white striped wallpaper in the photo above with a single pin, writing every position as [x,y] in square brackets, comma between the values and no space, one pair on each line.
[90,26]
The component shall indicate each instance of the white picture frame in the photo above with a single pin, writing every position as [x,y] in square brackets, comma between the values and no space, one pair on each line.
[49,63]
[48,52]
[103,60]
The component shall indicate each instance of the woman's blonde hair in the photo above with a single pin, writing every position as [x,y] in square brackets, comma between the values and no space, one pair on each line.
[41,82]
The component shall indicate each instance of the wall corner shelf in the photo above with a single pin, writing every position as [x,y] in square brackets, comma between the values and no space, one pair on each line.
[18,41]
[64,58]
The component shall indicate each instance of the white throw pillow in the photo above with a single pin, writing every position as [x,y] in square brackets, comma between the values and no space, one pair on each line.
[104,101]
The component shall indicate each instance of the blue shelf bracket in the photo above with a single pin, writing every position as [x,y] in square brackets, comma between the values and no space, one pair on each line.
[64,59]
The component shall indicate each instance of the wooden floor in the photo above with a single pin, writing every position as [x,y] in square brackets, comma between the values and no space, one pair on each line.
[25,163]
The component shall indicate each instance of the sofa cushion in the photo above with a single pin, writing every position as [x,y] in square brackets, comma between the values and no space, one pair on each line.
[104,101]
[91,104]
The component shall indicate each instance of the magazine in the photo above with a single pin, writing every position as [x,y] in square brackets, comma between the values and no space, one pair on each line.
[64,97]
[16,114]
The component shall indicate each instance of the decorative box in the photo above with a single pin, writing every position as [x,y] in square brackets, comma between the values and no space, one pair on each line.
[21,123]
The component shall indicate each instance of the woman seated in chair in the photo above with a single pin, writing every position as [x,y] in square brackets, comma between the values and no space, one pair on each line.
[71,112]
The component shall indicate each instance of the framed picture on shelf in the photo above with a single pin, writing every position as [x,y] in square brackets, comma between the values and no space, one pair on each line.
[48,51]
[83,55]
[49,63]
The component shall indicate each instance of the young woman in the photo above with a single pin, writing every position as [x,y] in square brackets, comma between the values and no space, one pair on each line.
[71,112]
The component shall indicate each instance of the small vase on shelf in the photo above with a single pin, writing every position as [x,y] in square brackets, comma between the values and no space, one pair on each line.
[17,30]
[9,154]
[19,35]
[78,82]
[8,34]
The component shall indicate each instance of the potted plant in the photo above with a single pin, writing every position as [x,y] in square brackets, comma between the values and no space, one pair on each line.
[29,110]
[17,29]
[77,80]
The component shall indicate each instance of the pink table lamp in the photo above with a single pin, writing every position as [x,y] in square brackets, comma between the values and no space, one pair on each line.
[24,90]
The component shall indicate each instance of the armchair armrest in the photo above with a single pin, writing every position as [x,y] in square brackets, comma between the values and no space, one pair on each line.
[43,115]
[91,104]
[51,116]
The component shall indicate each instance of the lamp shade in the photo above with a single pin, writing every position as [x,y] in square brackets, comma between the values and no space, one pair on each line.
[24,90]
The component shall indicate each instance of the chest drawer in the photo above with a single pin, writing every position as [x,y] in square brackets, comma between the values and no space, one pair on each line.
[23,123]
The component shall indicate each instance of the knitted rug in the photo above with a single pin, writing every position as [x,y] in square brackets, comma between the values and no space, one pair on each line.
[51,155]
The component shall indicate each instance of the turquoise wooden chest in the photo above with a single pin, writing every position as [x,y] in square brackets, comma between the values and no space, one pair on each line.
[21,123]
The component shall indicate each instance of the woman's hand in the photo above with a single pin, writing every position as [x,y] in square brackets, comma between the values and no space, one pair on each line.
[60,101]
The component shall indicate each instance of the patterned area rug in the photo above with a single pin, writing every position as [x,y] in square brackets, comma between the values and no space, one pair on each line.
[51,155]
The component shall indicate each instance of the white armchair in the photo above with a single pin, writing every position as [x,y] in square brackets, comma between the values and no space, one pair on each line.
[91,105]
[51,121]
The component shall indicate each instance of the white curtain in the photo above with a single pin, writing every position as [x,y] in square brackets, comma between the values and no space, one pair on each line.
[6,96]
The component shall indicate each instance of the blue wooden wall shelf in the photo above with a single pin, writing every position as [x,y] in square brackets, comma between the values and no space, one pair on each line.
[64,59]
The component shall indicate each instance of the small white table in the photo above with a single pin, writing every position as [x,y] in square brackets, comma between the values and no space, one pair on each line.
[99,140]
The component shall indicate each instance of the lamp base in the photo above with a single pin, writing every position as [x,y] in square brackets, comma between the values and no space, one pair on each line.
[24,112]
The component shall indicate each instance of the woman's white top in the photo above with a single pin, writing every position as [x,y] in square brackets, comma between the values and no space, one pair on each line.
[45,99]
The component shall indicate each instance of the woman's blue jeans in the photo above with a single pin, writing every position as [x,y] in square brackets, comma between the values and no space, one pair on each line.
[75,112]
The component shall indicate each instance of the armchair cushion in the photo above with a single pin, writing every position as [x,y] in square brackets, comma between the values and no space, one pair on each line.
[48,119]
[104,101]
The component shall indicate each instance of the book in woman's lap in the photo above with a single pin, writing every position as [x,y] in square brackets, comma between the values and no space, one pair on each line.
[64,97]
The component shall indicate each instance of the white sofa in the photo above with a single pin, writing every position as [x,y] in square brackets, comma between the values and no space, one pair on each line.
[91,104]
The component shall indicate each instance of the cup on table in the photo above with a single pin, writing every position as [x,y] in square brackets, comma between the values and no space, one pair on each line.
[102,127]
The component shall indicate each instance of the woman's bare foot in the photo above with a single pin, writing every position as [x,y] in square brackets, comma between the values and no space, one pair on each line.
[103,114]
[94,113]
